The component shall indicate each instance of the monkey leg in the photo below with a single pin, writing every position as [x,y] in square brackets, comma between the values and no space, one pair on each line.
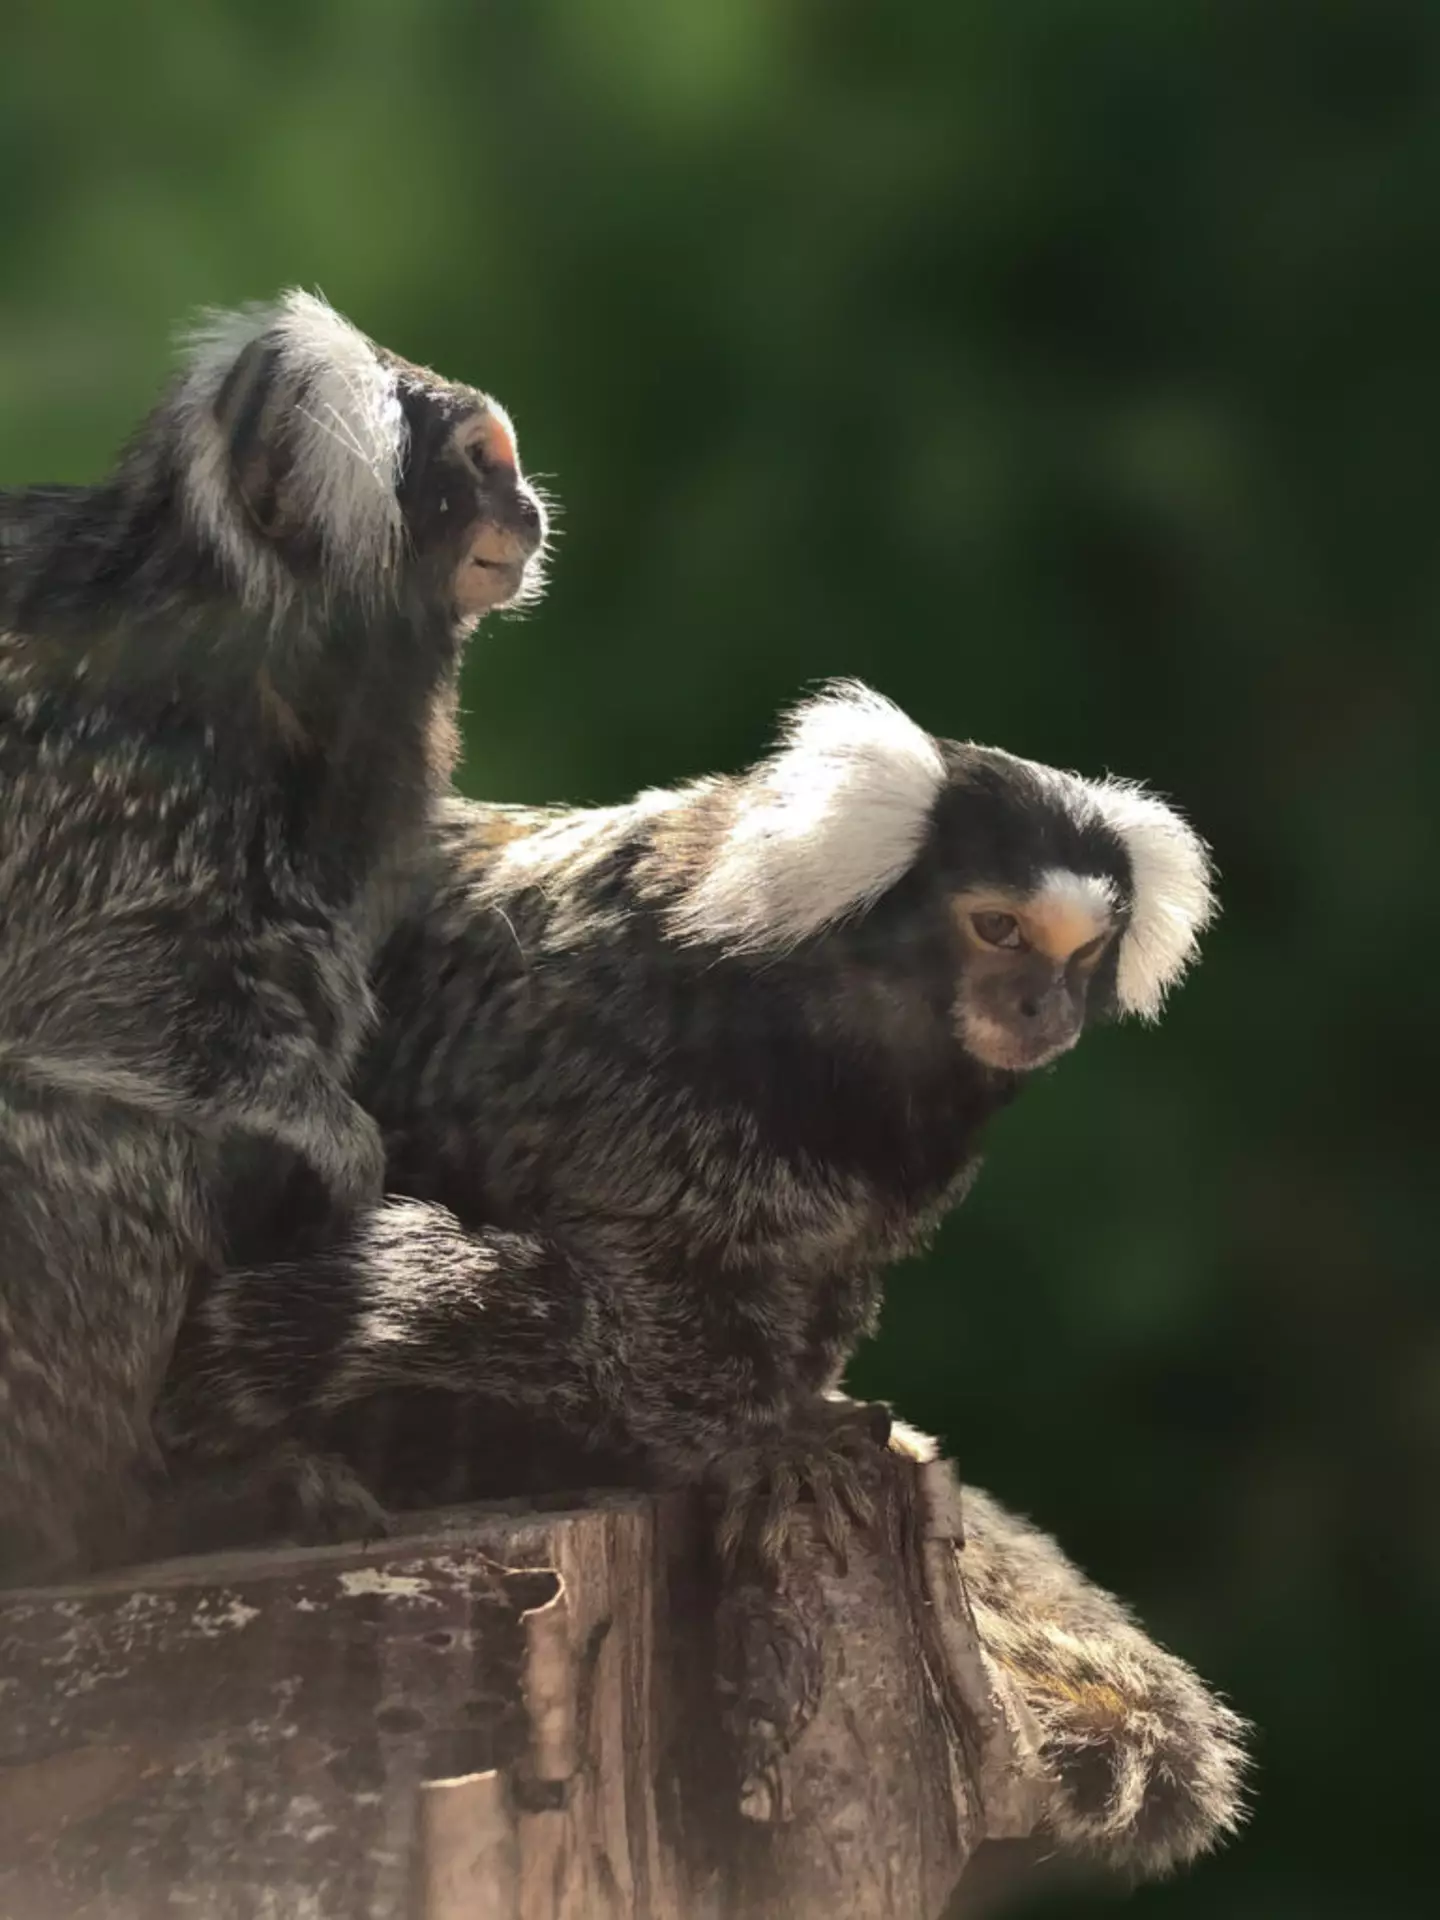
[285,1490]
[101,1225]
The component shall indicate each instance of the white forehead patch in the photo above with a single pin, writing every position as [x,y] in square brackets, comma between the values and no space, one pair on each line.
[1086,895]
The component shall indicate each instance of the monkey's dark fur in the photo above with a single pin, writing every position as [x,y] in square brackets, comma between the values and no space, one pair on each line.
[226,676]
[666,1086]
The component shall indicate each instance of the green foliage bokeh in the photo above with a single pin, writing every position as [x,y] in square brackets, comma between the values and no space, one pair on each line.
[1069,371]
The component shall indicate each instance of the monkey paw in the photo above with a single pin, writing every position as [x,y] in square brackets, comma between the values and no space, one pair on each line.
[825,1459]
[288,1493]
[318,1500]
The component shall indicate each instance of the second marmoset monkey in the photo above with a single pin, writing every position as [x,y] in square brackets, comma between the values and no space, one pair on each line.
[666,1086]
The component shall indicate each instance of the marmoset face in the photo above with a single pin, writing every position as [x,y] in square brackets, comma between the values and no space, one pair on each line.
[1029,962]
[475,525]
[1038,882]
[354,464]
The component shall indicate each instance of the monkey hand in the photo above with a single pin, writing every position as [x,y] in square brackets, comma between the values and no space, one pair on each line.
[303,1154]
[825,1457]
[288,1491]
[331,1132]
[319,1499]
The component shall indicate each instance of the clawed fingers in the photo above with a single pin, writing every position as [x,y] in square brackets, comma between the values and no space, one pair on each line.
[767,1488]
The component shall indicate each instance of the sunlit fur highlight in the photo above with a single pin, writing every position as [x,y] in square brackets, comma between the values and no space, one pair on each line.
[1172,900]
[828,823]
[350,447]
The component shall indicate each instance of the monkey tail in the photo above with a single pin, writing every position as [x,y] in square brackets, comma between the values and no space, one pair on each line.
[1146,1765]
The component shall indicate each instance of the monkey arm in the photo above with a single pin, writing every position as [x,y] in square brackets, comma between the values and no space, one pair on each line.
[567,1330]
[417,1361]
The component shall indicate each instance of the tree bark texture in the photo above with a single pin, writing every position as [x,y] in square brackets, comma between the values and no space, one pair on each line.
[512,1715]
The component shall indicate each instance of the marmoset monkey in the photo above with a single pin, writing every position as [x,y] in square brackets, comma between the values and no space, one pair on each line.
[666,1086]
[226,678]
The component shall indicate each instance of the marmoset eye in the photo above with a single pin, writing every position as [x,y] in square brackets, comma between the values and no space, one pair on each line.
[997,929]
[1092,949]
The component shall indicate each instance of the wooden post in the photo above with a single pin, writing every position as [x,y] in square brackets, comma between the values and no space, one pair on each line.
[518,1714]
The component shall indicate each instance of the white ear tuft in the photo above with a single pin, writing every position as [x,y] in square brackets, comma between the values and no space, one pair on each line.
[349,444]
[825,825]
[1172,893]
[352,445]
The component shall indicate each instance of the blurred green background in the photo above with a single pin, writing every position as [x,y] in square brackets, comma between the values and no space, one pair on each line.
[1070,369]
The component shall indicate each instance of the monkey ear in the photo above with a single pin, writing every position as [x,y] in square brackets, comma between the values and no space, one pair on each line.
[826,824]
[1102,1000]
[292,434]
[250,412]
[1172,896]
